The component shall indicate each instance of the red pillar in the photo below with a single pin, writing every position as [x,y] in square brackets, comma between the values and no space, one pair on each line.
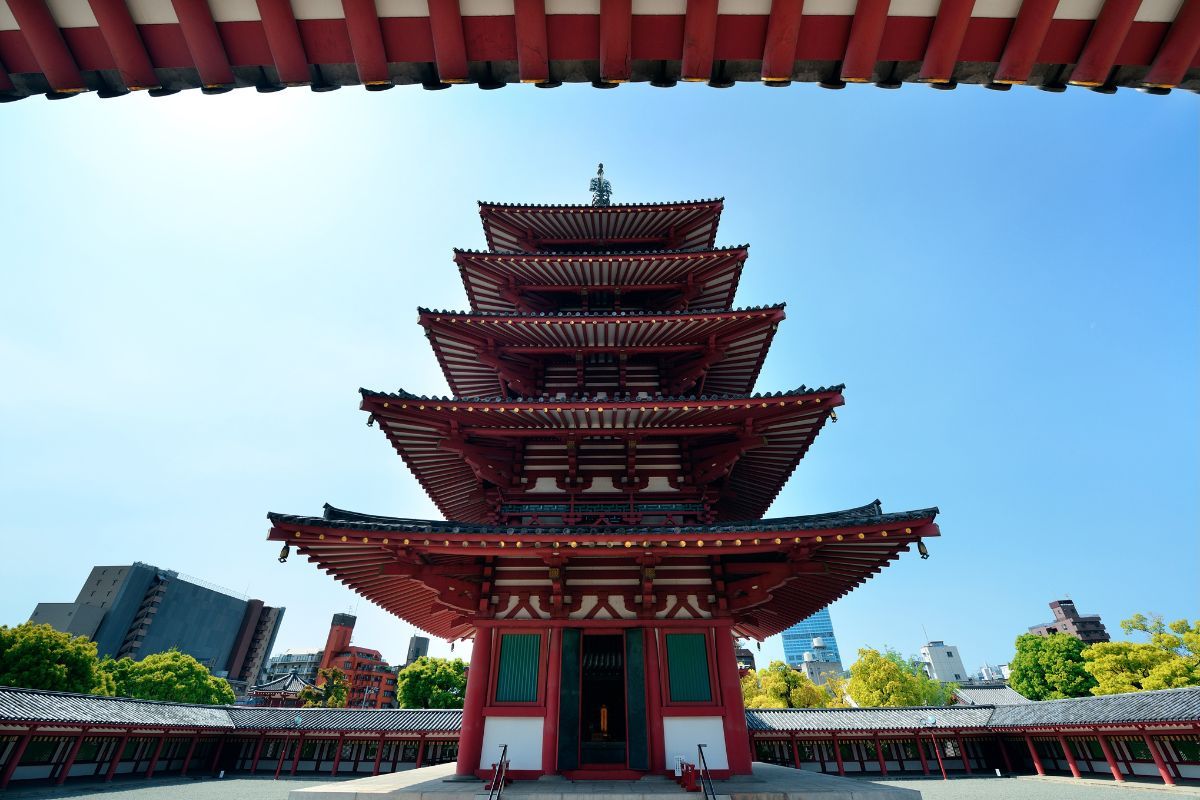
[187,759]
[420,752]
[1037,761]
[658,747]
[1004,754]
[262,737]
[154,758]
[337,757]
[879,756]
[378,756]
[962,751]
[921,753]
[282,756]
[1111,759]
[795,753]
[1069,756]
[1158,760]
[216,759]
[296,758]
[15,758]
[70,762]
[116,759]
[553,692]
[837,754]
[470,742]
[737,736]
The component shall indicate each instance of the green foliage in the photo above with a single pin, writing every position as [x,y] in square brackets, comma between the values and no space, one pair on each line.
[780,686]
[432,683]
[1050,667]
[39,657]
[1171,659]
[170,676]
[889,679]
[332,690]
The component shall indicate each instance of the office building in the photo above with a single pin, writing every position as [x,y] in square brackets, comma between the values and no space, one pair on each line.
[1089,629]
[798,639]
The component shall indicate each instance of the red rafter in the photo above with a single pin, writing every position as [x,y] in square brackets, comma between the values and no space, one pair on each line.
[946,40]
[1178,49]
[533,59]
[1028,33]
[783,29]
[204,42]
[699,40]
[449,46]
[1108,34]
[366,41]
[46,43]
[866,34]
[283,38]
[616,25]
[121,35]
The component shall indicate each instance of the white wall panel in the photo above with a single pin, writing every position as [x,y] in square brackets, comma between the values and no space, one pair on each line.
[682,734]
[523,735]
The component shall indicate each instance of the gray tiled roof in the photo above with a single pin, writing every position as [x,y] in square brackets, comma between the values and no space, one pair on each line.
[865,719]
[1165,705]
[40,706]
[989,696]
[292,683]
[437,720]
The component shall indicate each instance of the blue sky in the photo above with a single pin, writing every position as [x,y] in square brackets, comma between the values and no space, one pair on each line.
[195,287]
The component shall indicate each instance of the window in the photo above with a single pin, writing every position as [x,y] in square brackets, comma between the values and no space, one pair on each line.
[957,676]
[949,654]
[687,667]
[517,678]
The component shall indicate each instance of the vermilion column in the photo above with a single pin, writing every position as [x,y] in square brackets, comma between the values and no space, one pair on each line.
[470,743]
[262,737]
[1037,762]
[187,759]
[879,755]
[1004,753]
[962,751]
[337,757]
[70,762]
[420,753]
[1158,760]
[1069,756]
[15,758]
[737,736]
[921,753]
[116,759]
[158,748]
[553,692]
[1111,759]
[837,753]
[795,753]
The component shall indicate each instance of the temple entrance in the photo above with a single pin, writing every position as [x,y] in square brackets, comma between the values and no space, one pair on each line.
[602,701]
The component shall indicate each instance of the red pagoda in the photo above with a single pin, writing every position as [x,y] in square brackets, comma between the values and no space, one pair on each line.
[604,468]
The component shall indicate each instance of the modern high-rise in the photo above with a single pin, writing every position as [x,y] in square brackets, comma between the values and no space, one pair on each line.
[1067,619]
[418,647]
[139,609]
[799,639]
[942,662]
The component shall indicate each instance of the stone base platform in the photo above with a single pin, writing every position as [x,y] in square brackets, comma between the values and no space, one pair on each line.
[769,782]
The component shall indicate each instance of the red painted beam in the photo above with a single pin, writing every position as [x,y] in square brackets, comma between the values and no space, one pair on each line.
[1178,50]
[616,34]
[946,40]
[866,34]
[699,39]
[121,36]
[1025,41]
[783,29]
[283,39]
[533,59]
[1108,34]
[47,45]
[204,43]
[449,46]
[366,41]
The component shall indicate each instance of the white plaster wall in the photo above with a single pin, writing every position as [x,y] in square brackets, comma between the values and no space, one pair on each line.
[682,734]
[523,735]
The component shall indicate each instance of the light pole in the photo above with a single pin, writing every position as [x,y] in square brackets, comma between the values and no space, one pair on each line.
[931,723]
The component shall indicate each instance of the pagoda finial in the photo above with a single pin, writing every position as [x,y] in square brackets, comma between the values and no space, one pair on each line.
[601,189]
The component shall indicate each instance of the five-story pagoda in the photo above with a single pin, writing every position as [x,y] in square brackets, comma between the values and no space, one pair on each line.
[604,469]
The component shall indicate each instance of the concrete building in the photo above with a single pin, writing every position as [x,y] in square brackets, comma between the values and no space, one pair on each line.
[302,662]
[745,659]
[1067,620]
[819,670]
[138,609]
[942,662]
[418,647]
[372,680]
[798,639]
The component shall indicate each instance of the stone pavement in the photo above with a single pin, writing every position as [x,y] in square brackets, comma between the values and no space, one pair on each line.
[1029,787]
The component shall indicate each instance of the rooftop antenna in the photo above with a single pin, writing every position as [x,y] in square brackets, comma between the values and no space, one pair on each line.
[601,189]
[925,632]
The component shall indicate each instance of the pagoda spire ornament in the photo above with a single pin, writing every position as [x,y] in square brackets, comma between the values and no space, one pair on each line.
[601,189]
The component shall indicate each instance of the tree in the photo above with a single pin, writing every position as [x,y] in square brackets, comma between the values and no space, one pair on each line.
[780,686]
[1171,659]
[332,690]
[890,679]
[432,683]
[169,676]
[1049,667]
[39,657]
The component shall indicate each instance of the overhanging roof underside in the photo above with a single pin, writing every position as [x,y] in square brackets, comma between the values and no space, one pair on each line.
[420,430]
[515,228]
[67,47]
[850,546]
[512,282]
